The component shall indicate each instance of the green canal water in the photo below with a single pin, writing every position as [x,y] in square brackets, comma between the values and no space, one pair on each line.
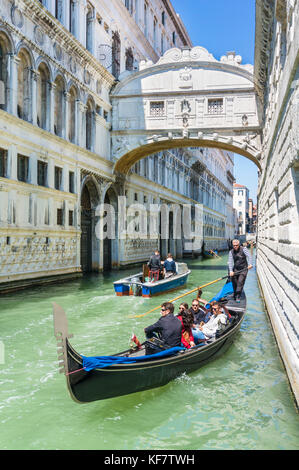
[240,401]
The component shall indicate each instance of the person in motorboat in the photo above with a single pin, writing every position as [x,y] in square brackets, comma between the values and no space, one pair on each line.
[155,266]
[169,266]
[168,329]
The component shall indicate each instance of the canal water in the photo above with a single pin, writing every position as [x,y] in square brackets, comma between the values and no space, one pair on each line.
[240,401]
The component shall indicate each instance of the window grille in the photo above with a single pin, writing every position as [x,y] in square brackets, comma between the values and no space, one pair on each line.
[115,54]
[129,59]
[157,108]
[71,182]
[58,177]
[71,218]
[23,168]
[42,173]
[215,106]
[59,217]
[3,162]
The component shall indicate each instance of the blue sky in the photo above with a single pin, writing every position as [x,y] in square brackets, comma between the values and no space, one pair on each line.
[221,26]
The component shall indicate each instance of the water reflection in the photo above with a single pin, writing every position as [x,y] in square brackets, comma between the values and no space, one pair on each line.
[240,401]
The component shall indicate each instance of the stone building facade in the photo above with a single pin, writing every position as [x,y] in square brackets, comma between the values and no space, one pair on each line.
[277,79]
[58,63]
[241,204]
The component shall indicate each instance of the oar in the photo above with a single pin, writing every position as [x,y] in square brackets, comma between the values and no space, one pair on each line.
[187,293]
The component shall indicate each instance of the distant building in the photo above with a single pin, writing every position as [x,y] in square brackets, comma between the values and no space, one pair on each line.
[241,204]
[252,216]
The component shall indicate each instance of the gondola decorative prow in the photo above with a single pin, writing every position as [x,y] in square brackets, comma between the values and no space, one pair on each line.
[61,335]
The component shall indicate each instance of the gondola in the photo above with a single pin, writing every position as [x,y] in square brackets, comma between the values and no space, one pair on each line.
[147,372]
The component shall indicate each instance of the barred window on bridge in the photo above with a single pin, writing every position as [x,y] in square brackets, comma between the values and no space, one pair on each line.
[156,108]
[215,106]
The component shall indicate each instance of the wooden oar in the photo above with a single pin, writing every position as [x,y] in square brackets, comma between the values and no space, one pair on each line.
[215,254]
[186,293]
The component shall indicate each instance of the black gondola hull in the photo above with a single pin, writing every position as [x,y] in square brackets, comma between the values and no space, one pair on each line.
[114,381]
[124,379]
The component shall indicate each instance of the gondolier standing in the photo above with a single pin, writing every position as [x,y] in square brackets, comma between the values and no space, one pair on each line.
[239,259]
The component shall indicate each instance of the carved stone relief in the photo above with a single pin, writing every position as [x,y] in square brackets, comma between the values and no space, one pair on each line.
[17,17]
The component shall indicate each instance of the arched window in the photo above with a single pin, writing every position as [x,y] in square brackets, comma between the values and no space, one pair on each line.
[59,106]
[73,17]
[42,95]
[129,59]
[24,86]
[89,125]
[59,10]
[89,27]
[115,54]
[72,114]
[2,79]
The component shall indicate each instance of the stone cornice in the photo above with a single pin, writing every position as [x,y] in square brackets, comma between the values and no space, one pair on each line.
[178,23]
[137,30]
[56,30]
[264,17]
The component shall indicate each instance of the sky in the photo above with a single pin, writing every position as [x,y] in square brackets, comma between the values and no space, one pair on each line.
[221,26]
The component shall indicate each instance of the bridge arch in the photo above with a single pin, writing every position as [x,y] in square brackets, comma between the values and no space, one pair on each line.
[187,99]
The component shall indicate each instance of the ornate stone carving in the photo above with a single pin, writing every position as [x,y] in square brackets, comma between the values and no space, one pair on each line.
[86,77]
[185,78]
[39,35]
[57,51]
[73,64]
[99,87]
[17,17]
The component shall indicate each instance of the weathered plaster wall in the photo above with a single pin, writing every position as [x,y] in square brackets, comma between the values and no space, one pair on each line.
[277,75]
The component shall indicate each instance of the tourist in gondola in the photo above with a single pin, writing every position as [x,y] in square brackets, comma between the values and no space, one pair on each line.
[169,266]
[216,323]
[200,313]
[239,259]
[183,308]
[155,266]
[187,319]
[168,328]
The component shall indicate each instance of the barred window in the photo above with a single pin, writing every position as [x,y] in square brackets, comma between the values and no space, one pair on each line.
[59,217]
[215,106]
[23,168]
[3,162]
[42,168]
[156,108]
[58,177]
[71,182]
[71,218]
[129,59]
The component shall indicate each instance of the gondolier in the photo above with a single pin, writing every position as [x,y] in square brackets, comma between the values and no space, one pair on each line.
[239,259]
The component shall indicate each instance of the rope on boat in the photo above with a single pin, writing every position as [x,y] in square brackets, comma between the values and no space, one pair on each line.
[74,371]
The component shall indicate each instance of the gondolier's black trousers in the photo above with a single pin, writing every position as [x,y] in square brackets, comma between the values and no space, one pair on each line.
[238,283]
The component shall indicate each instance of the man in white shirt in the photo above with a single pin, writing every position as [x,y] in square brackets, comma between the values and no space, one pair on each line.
[217,322]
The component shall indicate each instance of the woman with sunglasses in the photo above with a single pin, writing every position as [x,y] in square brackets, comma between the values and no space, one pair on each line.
[183,308]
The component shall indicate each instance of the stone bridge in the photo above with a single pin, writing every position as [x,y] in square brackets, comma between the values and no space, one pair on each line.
[187,99]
